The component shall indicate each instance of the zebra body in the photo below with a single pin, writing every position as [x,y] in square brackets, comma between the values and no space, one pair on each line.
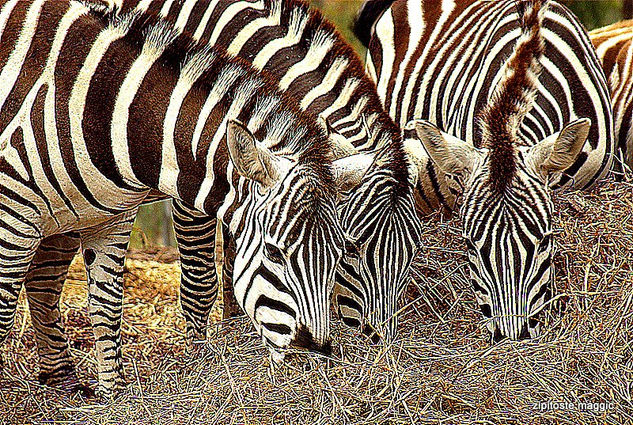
[99,108]
[448,62]
[327,80]
[614,48]
[317,68]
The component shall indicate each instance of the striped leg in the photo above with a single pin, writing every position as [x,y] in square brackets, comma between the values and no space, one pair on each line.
[18,244]
[196,234]
[44,286]
[103,249]
[231,307]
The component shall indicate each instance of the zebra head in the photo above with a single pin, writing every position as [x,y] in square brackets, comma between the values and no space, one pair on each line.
[507,222]
[288,244]
[507,206]
[382,234]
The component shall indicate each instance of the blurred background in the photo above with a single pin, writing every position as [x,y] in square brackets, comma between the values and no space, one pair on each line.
[153,224]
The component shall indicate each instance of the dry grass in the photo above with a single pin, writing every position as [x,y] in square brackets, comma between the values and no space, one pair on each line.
[441,370]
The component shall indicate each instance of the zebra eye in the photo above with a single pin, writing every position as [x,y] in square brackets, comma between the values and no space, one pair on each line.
[274,253]
[351,249]
[470,246]
[544,244]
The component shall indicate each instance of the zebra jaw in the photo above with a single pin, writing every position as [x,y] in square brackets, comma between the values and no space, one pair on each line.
[277,356]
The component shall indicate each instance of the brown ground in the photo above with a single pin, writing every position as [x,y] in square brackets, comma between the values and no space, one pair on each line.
[441,370]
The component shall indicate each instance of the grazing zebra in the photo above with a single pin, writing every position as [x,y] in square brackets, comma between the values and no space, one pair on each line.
[614,47]
[316,67]
[514,91]
[99,108]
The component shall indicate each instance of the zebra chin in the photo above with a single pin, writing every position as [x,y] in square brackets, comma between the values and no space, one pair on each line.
[302,340]
[513,327]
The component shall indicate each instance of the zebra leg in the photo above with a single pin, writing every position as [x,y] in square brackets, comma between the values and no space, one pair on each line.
[18,244]
[44,283]
[103,248]
[231,307]
[196,235]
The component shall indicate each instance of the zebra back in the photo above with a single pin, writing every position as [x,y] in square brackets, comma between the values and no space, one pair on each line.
[614,48]
[440,60]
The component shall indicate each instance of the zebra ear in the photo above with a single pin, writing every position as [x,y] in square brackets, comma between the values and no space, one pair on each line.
[250,160]
[451,155]
[341,147]
[349,171]
[558,152]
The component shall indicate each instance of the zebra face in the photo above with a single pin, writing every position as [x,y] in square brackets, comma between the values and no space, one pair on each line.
[381,238]
[288,244]
[508,231]
[510,249]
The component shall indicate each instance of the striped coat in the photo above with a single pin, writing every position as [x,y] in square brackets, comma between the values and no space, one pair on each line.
[450,63]
[615,49]
[99,108]
[315,66]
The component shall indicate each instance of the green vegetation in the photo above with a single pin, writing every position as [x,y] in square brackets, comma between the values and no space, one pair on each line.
[596,14]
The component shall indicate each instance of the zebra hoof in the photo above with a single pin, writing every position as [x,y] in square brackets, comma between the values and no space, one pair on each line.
[107,395]
[65,379]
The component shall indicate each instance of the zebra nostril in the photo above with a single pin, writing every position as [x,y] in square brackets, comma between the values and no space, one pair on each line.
[325,349]
[497,336]
[485,310]
[525,332]
[371,333]
[304,339]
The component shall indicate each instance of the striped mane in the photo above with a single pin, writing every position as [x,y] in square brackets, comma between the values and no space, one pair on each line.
[368,14]
[291,132]
[513,98]
[392,156]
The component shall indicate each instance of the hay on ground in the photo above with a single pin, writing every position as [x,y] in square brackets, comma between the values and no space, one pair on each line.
[441,368]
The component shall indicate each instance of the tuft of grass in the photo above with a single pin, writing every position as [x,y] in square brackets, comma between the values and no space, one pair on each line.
[441,368]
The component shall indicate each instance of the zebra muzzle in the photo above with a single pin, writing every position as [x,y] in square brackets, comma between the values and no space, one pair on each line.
[305,340]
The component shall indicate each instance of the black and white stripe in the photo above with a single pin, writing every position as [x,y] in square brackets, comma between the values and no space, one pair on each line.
[98,108]
[615,50]
[318,69]
[447,62]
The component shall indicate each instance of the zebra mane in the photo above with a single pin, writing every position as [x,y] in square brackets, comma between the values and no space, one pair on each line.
[391,147]
[368,14]
[513,97]
[291,132]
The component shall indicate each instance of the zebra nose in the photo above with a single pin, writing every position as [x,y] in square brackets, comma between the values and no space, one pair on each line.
[497,336]
[305,340]
[525,332]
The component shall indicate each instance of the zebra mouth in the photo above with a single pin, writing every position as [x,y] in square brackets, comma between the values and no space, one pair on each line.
[305,340]
[371,333]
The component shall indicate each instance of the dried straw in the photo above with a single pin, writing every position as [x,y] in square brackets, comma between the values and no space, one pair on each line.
[441,369]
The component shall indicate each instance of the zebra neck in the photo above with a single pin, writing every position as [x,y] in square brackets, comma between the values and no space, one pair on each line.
[173,101]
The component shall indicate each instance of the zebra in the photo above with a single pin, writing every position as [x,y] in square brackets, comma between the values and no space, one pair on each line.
[453,64]
[615,51]
[98,108]
[377,213]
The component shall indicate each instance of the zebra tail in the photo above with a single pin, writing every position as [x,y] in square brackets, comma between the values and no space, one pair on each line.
[514,96]
[368,14]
